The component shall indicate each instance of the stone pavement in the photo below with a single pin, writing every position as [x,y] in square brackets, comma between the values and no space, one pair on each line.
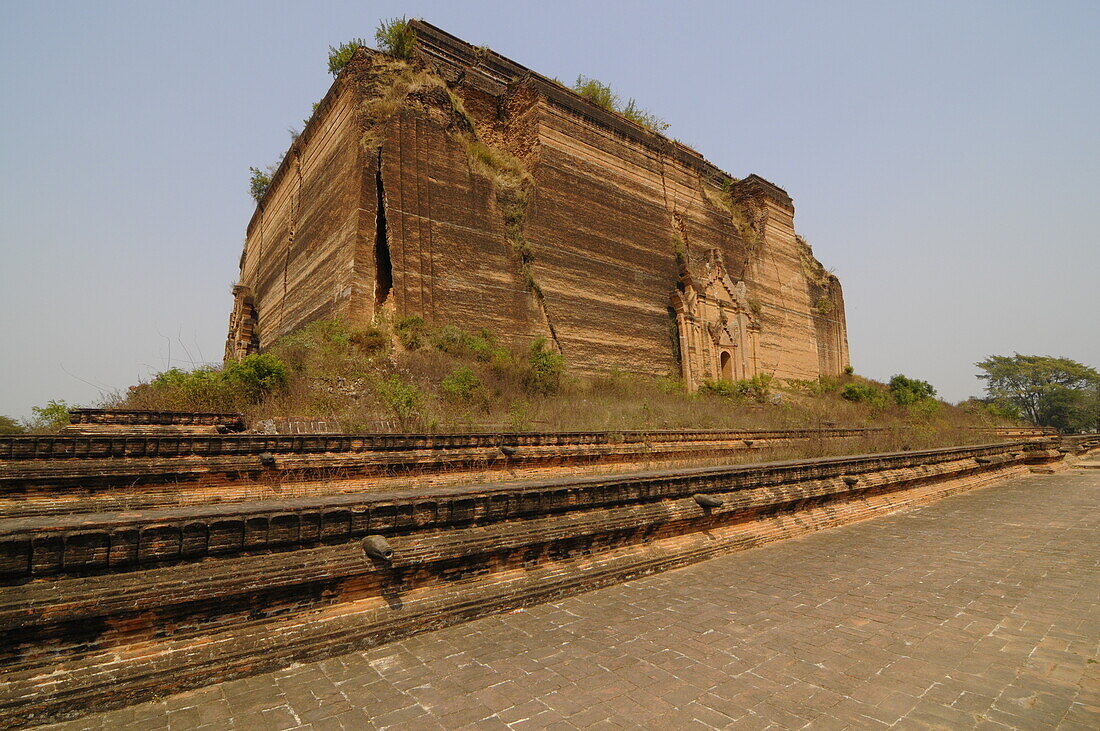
[980,610]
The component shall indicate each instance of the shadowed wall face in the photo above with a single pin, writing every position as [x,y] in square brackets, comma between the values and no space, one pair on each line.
[486,196]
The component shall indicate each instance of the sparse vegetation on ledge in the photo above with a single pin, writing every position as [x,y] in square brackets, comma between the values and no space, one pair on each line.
[601,94]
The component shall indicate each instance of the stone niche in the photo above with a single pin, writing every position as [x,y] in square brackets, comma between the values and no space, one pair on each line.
[715,322]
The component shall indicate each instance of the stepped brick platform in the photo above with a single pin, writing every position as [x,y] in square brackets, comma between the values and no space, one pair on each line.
[40,475]
[115,421]
[62,474]
[976,611]
[103,608]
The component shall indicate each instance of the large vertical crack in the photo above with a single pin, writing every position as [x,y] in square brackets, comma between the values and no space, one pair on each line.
[383,265]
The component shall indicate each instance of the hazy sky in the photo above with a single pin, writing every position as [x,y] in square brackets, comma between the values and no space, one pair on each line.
[944,159]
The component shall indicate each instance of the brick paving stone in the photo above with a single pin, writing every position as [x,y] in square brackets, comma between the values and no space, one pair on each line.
[978,611]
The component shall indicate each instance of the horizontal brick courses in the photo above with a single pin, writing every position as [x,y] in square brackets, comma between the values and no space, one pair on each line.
[130,603]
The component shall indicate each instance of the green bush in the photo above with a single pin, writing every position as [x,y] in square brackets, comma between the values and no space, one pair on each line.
[396,37]
[400,399]
[329,349]
[865,393]
[10,426]
[722,387]
[461,384]
[596,92]
[259,181]
[647,119]
[757,388]
[545,369]
[257,375]
[410,331]
[339,56]
[51,417]
[201,389]
[908,391]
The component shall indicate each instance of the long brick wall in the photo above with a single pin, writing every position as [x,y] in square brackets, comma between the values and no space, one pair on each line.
[104,608]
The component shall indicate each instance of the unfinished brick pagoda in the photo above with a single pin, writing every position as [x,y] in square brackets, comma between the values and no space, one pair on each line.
[470,191]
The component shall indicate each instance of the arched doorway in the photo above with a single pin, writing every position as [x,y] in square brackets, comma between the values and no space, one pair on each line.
[725,366]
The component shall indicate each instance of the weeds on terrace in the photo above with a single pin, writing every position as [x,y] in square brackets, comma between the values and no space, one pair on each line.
[601,94]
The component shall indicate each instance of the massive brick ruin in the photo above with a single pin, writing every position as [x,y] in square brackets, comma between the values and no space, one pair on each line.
[470,191]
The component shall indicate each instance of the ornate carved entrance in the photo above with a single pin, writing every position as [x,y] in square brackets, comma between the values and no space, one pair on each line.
[717,328]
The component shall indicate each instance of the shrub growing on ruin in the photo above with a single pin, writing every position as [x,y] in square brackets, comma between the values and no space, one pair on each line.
[909,391]
[722,388]
[601,94]
[410,331]
[865,393]
[461,385]
[758,388]
[545,368]
[49,418]
[259,181]
[396,37]
[647,119]
[257,375]
[339,56]
[596,92]
[401,399]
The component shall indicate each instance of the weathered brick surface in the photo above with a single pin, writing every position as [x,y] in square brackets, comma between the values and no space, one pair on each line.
[975,611]
[616,216]
[58,475]
[120,607]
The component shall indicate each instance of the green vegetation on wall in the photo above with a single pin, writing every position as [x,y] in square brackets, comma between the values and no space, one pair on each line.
[396,37]
[601,94]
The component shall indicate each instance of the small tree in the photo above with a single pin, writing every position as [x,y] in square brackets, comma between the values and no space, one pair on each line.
[396,37]
[9,425]
[51,417]
[400,398]
[545,368]
[339,56]
[1049,391]
[259,181]
[908,391]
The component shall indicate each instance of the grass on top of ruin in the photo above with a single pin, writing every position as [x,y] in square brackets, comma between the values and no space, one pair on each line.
[412,377]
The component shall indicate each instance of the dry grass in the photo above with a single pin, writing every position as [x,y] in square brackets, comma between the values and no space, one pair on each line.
[460,382]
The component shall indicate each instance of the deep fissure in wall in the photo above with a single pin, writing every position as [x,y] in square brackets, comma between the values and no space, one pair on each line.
[383,266]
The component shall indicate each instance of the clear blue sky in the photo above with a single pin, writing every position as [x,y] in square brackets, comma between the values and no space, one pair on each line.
[944,159]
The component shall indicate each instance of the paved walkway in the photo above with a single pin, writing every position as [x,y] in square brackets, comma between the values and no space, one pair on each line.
[981,610]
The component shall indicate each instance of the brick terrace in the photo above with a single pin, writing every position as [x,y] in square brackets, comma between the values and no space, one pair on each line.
[977,610]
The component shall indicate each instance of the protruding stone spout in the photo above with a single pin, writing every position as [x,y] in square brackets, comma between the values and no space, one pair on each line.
[850,480]
[378,547]
[708,501]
